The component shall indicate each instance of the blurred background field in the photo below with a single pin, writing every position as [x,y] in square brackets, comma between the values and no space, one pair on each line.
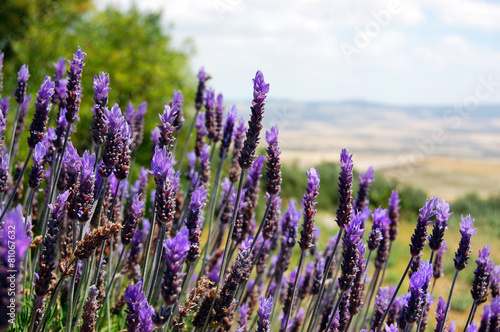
[136,47]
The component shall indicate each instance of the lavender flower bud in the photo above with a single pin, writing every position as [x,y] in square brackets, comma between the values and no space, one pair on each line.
[42,109]
[251,196]
[165,179]
[191,156]
[59,72]
[114,144]
[418,288]
[309,204]
[265,306]
[49,252]
[495,281]
[202,79]
[463,251]
[210,118]
[420,235]
[238,274]
[394,214]
[485,319]
[452,327]
[260,90]
[437,265]
[98,128]
[176,251]
[271,223]
[74,86]
[364,187]
[82,199]
[167,127]
[472,328]
[440,225]
[61,125]
[345,189]
[228,131]
[381,303]
[396,308]
[122,167]
[139,312]
[494,323]
[350,254]
[36,175]
[356,294]
[219,116]
[4,171]
[319,270]
[440,314]
[376,234]
[3,122]
[273,173]
[204,175]
[138,125]
[481,281]
[238,136]
[179,101]
[22,79]
[89,316]
[194,220]
[132,220]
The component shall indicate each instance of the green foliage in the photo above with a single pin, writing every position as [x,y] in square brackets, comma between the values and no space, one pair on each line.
[131,46]
[484,211]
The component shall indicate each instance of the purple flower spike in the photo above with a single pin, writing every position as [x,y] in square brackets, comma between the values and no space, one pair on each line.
[42,109]
[36,176]
[167,127]
[463,251]
[394,214]
[210,117]
[420,235]
[309,205]
[4,107]
[179,101]
[194,220]
[379,216]
[74,86]
[101,89]
[440,225]
[364,187]
[219,116]
[260,90]
[60,68]
[351,254]
[13,222]
[440,314]
[391,328]
[273,173]
[495,281]
[114,140]
[228,131]
[345,189]
[202,79]
[419,284]
[139,312]
[482,277]
[132,220]
[165,179]
[176,250]
[265,306]
[4,171]
[381,303]
[22,80]
[438,261]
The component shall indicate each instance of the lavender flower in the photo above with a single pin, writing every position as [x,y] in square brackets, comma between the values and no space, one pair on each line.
[60,82]
[1,72]
[251,196]
[165,179]
[440,225]
[89,316]
[260,90]
[309,204]
[139,312]
[437,265]
[167,128]
[114,143]
[137,125]
[319,270]
[82,199]
[238,136]
[265,306]
[273,173]
[22,79]
[495,281]
[193,222]
[420,235]
[204,174]
[210,118]
[452,327]
[132,220]
[485,319]
[201,132]
[289,227]
[271,223]
[98,128]
[376,234]
[202,79]
[61,126]
[351,254]
[481,281]
[364,186]
[42,109]
[219,116]
[122,167]
[345,189]
[4,107]
[179,101]
[228,131]
[419,283]
[381,303]
[4,171]
[36,175]
[494,323]
[176,251]
[440,315]
[356,294]
[463,251]
[191,156]
[74,86]
[472,328]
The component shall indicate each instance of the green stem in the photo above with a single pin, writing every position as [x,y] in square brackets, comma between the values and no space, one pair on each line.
[449,300]
[294,289]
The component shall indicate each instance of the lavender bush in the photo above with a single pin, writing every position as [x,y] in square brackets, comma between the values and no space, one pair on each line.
[92,245]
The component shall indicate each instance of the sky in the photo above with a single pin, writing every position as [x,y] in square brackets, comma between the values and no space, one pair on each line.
[427,52]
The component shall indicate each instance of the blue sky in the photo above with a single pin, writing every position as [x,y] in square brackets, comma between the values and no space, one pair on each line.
[422,52]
